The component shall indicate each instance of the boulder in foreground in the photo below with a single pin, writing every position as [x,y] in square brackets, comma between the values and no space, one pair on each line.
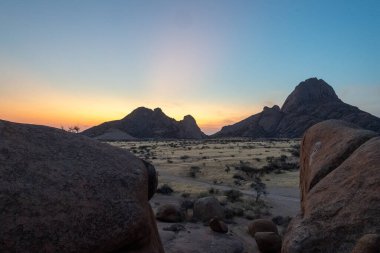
[340,185]
[62,192]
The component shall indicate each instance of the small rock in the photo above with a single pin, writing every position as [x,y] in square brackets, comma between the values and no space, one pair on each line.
[261,225]
[218,225]
[268,242]
[369,243]
[174,228]
[170,213]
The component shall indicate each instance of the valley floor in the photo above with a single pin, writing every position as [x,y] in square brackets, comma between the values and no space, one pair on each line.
[196,169]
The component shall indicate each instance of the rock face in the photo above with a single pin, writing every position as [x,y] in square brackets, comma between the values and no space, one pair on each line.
[62,192]
[146,123]
[340,185]
[369,243]
[312,101]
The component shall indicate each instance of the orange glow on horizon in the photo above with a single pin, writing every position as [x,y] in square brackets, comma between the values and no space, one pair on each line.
[62,111]
[35,102]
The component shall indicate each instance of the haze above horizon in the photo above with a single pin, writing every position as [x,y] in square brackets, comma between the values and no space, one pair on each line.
[86,62]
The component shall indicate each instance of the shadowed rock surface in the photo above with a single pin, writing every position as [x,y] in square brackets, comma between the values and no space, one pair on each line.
[312,101]
[62,192]
[340,185]
[170,213]
[146,123]
[208,208]
[369,243]
[261,225]
[268,242]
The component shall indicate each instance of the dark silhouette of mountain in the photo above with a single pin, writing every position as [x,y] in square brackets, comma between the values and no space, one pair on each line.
[312,101]
[146,123]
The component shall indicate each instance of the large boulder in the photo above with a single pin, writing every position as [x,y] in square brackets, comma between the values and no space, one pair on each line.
[261,225]
[340,185]
[207,208]
[268,242]
[170,213]
[62,192]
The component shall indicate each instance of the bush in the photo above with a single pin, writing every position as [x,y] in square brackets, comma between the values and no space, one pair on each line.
[212,190]
[165,189]
[185,195]
[193,171]
[238,176]
[187,204]
[295,151]
[233,195]
[259,187]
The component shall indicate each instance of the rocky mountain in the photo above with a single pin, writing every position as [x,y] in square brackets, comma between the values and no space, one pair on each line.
[146,123]
[312,101]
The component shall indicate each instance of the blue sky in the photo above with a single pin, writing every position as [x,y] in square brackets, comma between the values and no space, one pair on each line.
[84,62]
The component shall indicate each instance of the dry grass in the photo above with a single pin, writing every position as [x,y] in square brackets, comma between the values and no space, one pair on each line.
[175,158]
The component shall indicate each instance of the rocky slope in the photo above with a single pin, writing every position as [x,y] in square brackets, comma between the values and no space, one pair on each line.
[62,192]
[340,185]
[312,101]
[146,123]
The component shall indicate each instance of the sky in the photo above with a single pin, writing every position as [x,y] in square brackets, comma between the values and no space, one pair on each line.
[65,63]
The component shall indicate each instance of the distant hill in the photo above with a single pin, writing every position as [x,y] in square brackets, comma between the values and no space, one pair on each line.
[143,123]
[312,101]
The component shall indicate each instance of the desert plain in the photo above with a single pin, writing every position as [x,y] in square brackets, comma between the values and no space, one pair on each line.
[226,169]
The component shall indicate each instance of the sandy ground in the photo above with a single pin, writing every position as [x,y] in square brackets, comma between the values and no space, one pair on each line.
[173,160]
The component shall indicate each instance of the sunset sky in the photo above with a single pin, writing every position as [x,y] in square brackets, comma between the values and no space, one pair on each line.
[85,62]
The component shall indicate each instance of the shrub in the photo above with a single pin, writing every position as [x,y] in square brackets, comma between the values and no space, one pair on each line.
[185,195]
[233,195]
[212,190]
[295,151]
[165,189]
[259,187]
[193,171]
[238,176]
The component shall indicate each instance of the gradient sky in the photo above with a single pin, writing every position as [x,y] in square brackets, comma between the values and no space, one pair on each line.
[84,62]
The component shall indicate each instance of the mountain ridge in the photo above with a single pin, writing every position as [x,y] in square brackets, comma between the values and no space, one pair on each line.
[311,102]
[145,123]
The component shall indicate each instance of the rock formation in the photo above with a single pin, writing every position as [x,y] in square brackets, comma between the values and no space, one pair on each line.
[63,192]
[145,123]
[261,225]
[340,185]
[312,101]
[208,208]
[170,213]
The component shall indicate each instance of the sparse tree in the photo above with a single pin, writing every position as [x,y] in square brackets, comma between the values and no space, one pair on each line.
[259,187]
[73,129]
[254,174]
